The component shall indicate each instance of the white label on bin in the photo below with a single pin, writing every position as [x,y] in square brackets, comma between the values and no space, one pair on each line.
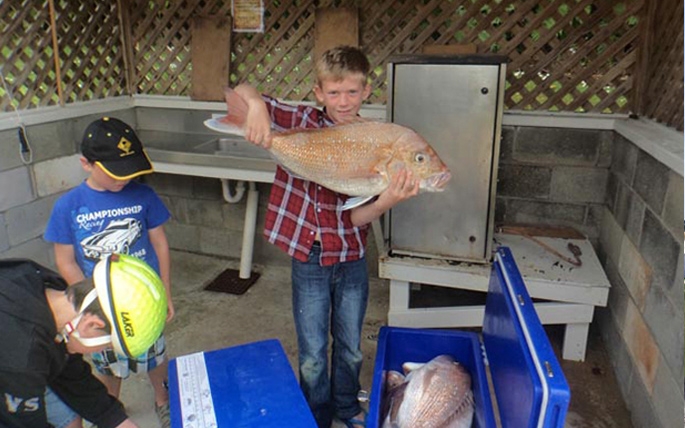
[197,407]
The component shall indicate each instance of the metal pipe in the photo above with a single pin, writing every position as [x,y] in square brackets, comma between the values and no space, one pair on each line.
[249,232]
[239,191]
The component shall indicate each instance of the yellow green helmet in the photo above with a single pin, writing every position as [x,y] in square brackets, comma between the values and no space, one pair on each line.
[134,300]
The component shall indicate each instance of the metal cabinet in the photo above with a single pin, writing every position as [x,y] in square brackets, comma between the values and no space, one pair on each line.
[455,103]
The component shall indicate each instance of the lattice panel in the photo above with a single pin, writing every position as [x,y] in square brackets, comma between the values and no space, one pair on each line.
[566,55]
[574,55]
[90,50]
[26,55]
[664,94]
[161,37]
[279,62]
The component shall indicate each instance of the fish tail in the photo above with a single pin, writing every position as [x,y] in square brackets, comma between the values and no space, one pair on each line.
[234,121]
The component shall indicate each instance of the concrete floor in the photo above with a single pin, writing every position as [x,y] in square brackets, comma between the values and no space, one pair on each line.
[208,320]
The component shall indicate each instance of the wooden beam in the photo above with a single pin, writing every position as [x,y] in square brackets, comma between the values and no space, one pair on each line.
[210,49]
[123,13]
[333,27]
[55,52]
[639,98]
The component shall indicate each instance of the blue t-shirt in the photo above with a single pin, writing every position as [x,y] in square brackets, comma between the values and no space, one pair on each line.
[98,223]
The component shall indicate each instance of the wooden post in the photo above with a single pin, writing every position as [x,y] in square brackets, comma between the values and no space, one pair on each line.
[55,52]
[334,27]
[210,53]
[642,67]
[123,12]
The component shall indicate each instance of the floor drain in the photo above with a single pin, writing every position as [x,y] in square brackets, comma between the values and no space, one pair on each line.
[229,281]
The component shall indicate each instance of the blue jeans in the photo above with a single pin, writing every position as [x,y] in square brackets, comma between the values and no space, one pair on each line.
[337,295]
[58,413]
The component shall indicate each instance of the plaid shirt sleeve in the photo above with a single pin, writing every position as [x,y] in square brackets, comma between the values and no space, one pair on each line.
[286,116]
[298,209]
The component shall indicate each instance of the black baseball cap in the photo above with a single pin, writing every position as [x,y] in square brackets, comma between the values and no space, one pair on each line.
[115,147]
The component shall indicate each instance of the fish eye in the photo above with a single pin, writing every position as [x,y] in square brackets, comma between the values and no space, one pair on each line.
[419,157]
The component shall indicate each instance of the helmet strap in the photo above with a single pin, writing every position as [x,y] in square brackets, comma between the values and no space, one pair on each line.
[92,341]
[70,327]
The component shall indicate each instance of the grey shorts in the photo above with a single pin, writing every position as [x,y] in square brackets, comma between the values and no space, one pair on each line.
[110,363]
[59,414]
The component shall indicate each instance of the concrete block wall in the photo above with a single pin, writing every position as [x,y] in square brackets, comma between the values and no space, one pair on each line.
[641,249]
[29,191]
[203,222]
[553,176]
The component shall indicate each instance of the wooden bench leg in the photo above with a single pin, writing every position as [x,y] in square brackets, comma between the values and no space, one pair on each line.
[399,299]
[575,341]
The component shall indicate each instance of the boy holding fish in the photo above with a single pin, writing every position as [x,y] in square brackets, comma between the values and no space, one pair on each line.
[326,242]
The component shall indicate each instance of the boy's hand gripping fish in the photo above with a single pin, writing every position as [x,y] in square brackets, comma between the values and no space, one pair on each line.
[358,159]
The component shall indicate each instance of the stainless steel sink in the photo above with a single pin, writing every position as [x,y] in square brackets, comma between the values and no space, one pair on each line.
[205,150]
[171,141]
[233,147]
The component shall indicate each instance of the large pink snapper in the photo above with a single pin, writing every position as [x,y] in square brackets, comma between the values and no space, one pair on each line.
[436,394]
[356,159]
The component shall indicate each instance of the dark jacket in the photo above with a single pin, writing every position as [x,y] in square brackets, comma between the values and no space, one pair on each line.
[31,360]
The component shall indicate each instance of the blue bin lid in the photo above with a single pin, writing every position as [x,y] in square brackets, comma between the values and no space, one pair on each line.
[529,384]
[252,385]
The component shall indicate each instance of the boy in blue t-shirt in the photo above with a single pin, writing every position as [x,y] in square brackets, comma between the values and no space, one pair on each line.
[109,213]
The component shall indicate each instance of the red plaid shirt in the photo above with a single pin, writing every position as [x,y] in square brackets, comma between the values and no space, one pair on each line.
[298,209]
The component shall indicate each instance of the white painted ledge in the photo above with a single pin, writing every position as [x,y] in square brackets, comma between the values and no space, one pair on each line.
[561,120]
[36,116]
[665,144]
[177,102]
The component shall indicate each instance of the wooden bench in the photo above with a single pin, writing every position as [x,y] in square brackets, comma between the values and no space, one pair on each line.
[564,294]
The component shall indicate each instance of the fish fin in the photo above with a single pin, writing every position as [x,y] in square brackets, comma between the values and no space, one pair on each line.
[410,366]
[234,121]
[356,202]
[225,128]
[393,378]
[463,414]
[394,405]
[288,170]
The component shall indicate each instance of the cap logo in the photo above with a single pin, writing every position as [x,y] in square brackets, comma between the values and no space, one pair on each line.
[127,324]
[125,147]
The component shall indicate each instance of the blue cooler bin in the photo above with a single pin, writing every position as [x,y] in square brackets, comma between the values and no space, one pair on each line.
[529,386]
[248,386]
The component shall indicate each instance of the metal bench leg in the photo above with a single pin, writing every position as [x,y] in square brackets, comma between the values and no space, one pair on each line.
[575,341]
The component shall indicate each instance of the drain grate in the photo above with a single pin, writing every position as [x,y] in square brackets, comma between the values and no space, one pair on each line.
[229,281]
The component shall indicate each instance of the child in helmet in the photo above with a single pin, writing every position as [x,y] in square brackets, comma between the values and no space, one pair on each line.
[47,325]
[109,213]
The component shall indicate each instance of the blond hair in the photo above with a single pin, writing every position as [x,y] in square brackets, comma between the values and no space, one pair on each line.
[340,62]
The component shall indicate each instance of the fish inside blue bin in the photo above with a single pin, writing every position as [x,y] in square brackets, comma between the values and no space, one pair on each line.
[397,346]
